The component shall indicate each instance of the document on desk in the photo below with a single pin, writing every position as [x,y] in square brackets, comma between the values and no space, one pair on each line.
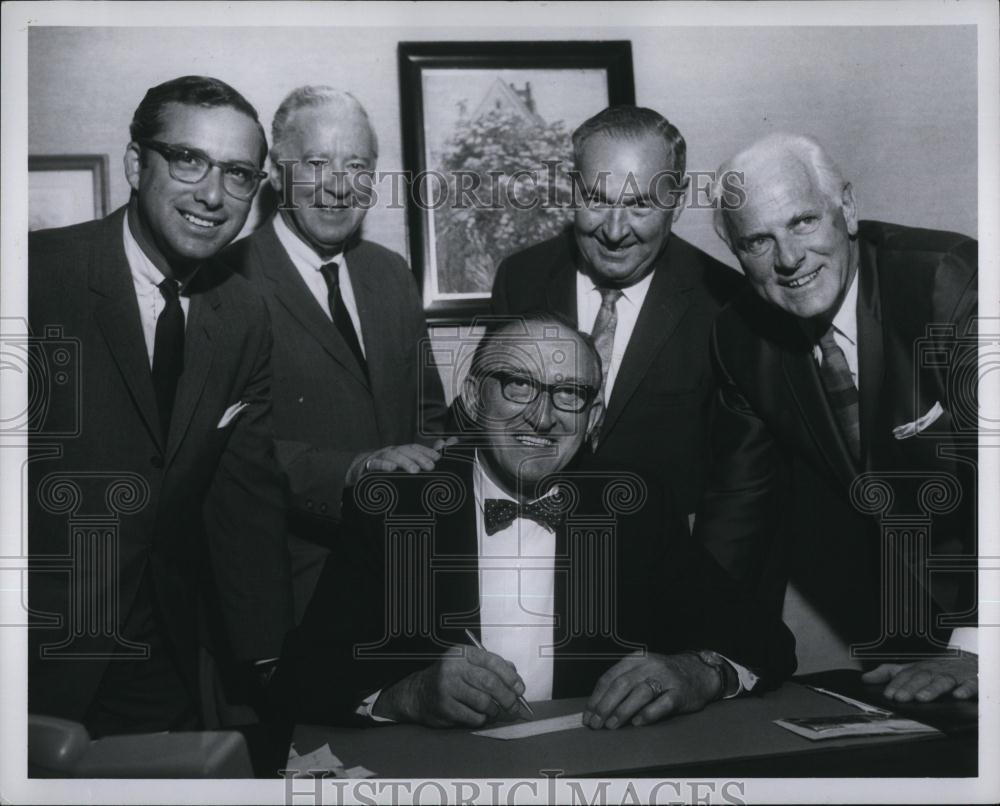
[836,727]
[522,730]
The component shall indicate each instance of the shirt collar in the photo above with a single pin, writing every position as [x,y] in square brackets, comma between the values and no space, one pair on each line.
[485,487]
[145,274]
[298,250]
[635,293]
[846,319]
[144,271]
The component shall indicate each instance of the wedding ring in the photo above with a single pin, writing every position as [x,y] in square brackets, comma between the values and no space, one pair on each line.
[654,686]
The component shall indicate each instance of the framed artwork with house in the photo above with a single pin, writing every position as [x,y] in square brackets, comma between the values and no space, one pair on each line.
[487,153]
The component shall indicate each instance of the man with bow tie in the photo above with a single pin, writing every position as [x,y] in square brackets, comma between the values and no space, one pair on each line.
[578,579]
[845,437]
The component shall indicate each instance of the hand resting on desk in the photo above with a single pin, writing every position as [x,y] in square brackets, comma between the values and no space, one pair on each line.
[928,679]
[467,686]
[628,690]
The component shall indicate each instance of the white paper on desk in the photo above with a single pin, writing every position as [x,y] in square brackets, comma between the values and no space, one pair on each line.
[836,727]
[522,730]
[321,759]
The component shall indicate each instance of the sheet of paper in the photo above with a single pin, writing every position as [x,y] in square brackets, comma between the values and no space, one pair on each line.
[320,759]
[834,727]
[522,730]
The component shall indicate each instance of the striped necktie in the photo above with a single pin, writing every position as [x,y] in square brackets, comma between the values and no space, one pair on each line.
[841,392]
[604,340]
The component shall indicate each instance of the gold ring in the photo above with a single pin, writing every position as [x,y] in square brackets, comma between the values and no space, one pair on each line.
[654,686]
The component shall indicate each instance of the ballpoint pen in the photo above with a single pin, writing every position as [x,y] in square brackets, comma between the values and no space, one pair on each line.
[478,645]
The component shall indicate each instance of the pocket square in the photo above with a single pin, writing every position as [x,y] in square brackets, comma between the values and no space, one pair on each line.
[231,414]
[920,424]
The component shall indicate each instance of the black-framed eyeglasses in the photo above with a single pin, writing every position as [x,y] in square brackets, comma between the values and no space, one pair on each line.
[190,165]
[520,388]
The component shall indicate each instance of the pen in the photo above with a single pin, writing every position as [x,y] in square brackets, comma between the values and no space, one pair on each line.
[478,645]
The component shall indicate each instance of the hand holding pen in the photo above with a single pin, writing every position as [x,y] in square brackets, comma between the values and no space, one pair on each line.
[478,645]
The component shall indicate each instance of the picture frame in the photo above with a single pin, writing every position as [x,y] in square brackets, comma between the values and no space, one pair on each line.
[487,150]
[66,189]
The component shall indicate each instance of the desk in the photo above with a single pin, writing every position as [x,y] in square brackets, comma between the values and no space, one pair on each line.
[736,738]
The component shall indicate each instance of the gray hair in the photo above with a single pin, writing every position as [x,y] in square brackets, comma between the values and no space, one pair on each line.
[632,123]
[312,96]
[805,149]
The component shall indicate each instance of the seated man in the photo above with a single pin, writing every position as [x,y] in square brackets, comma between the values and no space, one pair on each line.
[569,573]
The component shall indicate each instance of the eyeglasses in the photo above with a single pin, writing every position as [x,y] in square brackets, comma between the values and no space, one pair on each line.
[518,388]
[191,165]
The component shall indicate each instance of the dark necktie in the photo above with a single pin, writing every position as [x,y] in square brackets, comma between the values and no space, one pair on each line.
[499,513]
[604,340]
[841,392]
[338,311]
[168,352]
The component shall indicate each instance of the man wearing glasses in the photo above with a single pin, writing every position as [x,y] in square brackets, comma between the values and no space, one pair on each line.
[575,578]
[170,460]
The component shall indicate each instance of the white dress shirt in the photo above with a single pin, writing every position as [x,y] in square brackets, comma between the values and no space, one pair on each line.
[588,304]
[308,264]
[516,591]
[845,331]
[146,279]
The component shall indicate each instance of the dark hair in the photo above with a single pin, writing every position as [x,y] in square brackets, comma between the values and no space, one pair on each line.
[148,122]
[632,123]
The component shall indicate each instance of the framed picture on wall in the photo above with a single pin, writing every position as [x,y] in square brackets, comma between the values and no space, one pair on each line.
[487,151]
[66,189]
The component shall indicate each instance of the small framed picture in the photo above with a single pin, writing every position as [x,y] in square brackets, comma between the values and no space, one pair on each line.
[66,189]
[487,152]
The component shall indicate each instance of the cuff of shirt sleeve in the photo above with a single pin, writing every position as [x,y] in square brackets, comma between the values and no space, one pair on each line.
[747,679]
[966,639]
[365,709]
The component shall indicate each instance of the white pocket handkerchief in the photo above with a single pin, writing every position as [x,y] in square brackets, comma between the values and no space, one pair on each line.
[231,414]
[918,425]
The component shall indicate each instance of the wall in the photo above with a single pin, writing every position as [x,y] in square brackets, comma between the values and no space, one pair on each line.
[895,106]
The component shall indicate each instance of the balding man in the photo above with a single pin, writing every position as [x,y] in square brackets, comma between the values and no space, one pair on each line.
[840,459]
[350,394]
[576,576]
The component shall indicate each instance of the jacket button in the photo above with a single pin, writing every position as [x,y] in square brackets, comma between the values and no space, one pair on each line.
[156,461]
[309,504]
[322,507]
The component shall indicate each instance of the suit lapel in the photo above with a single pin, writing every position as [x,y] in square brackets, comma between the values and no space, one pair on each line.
[871,363]
[665,305]
[117,313]
[456,547]
[292,292]
[200,336]
[560,290]
[802,376]
[383,363]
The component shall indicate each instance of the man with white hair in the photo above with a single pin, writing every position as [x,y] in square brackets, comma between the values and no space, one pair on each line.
[841,462]
[351,395]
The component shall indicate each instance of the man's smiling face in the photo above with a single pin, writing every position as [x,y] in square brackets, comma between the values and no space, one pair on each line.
[188,223]
[795,244]
[623,227]
[527,441]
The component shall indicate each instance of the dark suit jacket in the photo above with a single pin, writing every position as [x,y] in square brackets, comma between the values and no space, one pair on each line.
[781,502]
[325,410]
[628,576]
[102,477]
[657,418]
